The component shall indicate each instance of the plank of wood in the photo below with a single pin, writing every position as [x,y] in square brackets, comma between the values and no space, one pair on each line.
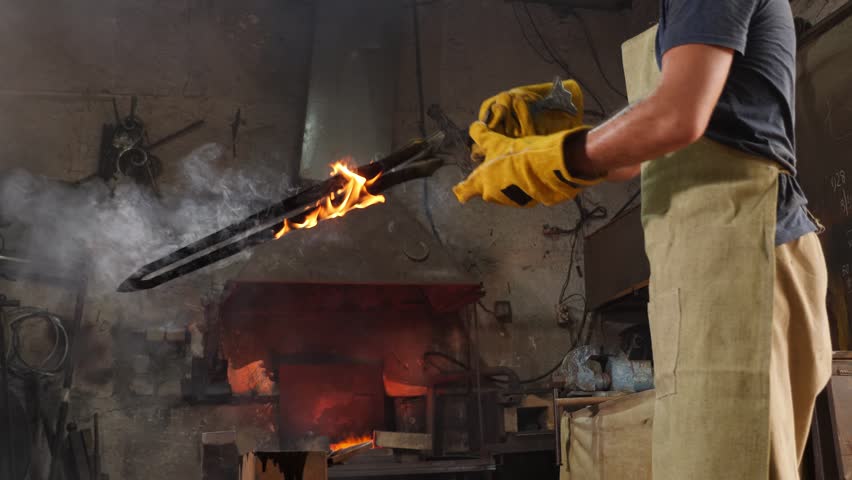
[842,355]
[584,401]
[510,419]
[407,441]
[533,401]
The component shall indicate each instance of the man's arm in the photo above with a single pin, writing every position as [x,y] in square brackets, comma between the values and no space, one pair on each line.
[674,116]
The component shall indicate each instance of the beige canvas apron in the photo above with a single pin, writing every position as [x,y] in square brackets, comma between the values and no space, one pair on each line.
[709,217]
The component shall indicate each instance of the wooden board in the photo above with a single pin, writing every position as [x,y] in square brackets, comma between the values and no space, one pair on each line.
[407,441]
[584,401]
[536,401]
[545,404]
[510,419]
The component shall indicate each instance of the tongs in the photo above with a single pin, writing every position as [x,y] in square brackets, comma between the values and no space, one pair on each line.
[418,159]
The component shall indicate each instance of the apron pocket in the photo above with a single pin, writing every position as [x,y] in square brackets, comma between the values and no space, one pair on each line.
[664,316]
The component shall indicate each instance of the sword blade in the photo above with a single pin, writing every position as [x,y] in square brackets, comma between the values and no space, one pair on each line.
[262,226]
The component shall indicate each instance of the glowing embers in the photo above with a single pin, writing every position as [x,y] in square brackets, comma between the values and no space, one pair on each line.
[350,196]
[351,441]
[251,379]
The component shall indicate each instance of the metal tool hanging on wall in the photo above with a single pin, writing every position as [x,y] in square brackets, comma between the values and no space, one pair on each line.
[126,151]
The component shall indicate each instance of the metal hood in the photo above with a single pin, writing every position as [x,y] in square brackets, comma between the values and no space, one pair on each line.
[352,88]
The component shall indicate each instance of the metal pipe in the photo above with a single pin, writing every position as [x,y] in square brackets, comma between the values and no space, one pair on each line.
[73,346]
[5,258]
[418,66]
[826,25]
[478,380]
[6,395]
[96,450]
[557,426]
[183,131]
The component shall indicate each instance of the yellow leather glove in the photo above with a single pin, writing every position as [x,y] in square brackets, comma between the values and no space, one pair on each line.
[508,112]
[521,172]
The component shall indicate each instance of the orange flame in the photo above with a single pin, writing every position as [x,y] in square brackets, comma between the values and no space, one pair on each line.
[252,378]
[349,197]
[350,441]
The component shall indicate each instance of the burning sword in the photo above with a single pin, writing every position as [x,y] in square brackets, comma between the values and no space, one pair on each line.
[345,190]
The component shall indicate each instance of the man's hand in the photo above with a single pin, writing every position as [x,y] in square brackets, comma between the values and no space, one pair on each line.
[509,113]
[521,172]
[673,117]
[522,154]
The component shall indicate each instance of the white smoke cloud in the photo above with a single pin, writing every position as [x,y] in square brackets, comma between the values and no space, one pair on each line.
[58,222]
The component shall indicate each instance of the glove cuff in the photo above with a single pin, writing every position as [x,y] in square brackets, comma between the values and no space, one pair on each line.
[560,173]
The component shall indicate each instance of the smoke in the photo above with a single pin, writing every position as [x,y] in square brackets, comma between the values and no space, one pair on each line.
[61,223]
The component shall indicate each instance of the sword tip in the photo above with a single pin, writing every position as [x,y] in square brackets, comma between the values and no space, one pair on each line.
[127,286]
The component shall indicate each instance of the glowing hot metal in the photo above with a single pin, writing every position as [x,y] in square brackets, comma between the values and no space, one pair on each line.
[351,441]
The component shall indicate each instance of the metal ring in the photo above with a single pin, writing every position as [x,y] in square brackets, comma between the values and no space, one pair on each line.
[416,256]
[133,161]
[16,319]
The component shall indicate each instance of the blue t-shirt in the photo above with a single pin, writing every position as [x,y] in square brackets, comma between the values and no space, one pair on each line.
[756,111]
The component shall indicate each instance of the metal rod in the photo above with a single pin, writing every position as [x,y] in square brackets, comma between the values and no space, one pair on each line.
[418,69]
[8,418]
[826,25]
[4,258]
[168,138]
[557,427]
[418,65]
[115,112]
[48,430]
[476,362]
[96,449]
[68,379]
